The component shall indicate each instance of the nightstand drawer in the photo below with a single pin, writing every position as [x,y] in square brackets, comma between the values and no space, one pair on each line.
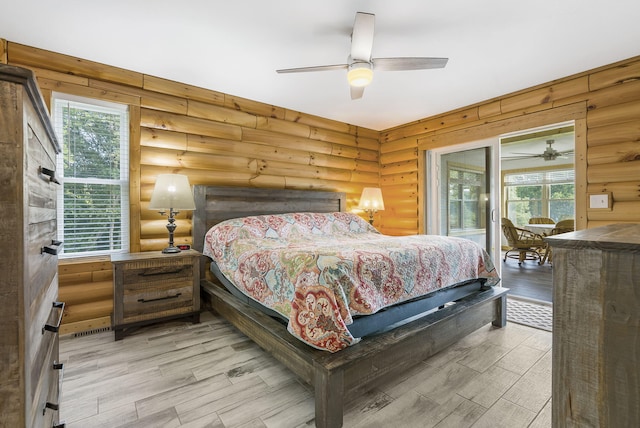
[158,301]
[153,286]
[140,275]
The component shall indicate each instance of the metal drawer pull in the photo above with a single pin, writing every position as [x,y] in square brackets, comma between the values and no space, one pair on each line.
[160,272]
[175,296]
[58,366]
[52,406]
[49,248]
[55,328]
[49,173]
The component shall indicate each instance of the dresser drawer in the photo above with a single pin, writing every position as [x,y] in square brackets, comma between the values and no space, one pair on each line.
[41,313]
[46,402]
[41,266]
[40,173]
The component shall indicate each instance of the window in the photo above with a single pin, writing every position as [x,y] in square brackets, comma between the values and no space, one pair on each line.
[465,205]
[540,194]
[93,200]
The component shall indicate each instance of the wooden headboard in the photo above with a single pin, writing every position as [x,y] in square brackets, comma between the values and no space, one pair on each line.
[215,204]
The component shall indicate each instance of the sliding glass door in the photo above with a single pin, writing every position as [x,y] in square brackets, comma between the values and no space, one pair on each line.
[461,193]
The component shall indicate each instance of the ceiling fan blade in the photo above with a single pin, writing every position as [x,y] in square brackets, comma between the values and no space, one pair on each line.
[362,36]
[315,68]
[356,92]
[408,63]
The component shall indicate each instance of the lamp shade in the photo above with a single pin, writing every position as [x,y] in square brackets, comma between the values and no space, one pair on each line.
[172,191]
[371,199]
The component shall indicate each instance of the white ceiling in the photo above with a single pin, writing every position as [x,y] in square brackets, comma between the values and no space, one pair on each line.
[494,46]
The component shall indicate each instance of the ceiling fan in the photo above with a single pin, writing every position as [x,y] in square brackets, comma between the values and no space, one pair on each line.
[548,154]
[360,65]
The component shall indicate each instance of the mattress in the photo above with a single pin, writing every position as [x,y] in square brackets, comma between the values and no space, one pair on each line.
[322,273]
[384,320]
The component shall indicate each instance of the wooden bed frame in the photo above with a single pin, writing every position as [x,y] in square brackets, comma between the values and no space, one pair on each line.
[358,368]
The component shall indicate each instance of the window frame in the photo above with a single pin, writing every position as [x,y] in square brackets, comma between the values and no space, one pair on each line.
[462,202]
[545,181]
[123,181]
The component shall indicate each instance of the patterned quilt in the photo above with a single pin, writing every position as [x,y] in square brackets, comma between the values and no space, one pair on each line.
[320,270]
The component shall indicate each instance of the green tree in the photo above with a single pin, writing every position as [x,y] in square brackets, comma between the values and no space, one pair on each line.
[91,150]
[562,201]
[524,202]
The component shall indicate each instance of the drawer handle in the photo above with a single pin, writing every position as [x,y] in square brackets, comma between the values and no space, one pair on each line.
[58,366]
[60,425]
[49,405]
[55,328]
[160,272]
[49,248]
[49,173]
[175,296]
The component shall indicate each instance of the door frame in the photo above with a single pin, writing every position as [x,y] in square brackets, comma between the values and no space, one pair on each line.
[431,217]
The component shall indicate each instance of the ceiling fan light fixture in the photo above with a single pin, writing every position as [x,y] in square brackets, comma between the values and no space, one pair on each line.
[360,74]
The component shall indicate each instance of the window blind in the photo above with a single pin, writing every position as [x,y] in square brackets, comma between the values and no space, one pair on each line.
[93,200]
[540,178]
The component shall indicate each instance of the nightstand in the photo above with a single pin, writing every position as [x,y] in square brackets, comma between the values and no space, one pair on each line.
[151,286]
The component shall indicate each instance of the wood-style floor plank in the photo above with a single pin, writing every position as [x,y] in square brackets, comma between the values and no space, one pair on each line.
[178,374]
[411,410]
[487,388]
[505,414]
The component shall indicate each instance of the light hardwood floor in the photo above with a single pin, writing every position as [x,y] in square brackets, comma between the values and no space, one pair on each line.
[179,374]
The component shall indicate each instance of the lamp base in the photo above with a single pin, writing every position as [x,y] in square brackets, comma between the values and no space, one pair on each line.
[371,212]
[171,250]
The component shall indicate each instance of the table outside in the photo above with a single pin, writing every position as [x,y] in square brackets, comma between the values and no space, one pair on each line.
[540,229]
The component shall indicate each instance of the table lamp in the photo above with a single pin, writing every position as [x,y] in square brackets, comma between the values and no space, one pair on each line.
[172,192]
[371,201]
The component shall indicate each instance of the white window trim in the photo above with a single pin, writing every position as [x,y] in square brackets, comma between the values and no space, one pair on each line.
[546,180]
[98,105]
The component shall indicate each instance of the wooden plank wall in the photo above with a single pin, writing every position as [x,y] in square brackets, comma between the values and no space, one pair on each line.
[606,102]
[213,138]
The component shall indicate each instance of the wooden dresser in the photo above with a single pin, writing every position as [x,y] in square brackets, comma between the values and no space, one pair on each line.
[596,327]
[30,315]
[152,286]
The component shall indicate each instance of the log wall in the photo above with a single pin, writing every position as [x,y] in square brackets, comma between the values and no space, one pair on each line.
[86,287]
[213,138]
[605,104]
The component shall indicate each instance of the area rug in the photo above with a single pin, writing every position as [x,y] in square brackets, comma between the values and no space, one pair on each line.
[533,313]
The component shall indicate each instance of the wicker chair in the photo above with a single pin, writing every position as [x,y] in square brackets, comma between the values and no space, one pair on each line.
[541,220]
[563,226]
[525,245]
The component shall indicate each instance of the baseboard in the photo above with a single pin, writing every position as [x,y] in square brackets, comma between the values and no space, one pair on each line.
[93,325]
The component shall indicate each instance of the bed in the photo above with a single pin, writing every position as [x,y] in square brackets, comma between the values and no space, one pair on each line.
[359,365]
